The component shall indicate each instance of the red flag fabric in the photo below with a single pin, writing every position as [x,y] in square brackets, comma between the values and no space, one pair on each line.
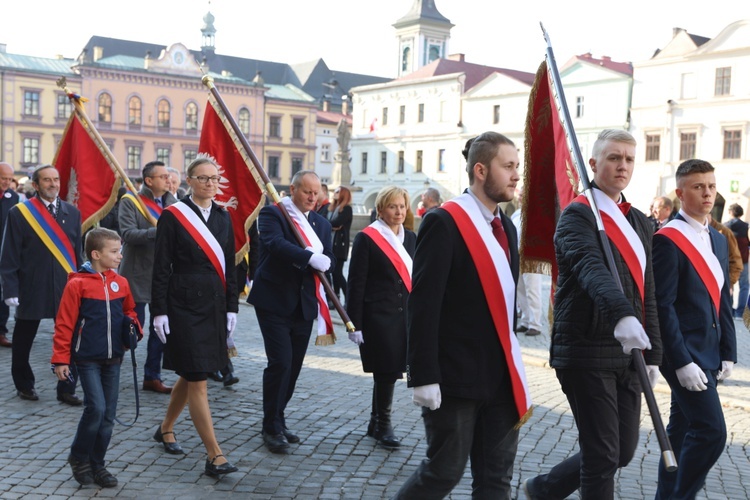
[550,178]
[87,180]
[239,189]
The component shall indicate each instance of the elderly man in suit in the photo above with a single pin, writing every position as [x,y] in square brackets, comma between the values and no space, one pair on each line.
[461,349]
[286,297]
[41,245]
[695,316]
[9,199]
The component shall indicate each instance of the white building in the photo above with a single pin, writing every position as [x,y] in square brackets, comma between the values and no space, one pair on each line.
[326,144]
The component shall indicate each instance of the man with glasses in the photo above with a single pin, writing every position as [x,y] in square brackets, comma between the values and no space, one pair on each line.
[137,264]
[9,199]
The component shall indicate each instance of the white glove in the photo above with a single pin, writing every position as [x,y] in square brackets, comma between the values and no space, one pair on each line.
[161,327]
[630,333]
[320,262]
[427,395]
[691,377]
[231,323]
[356,337]
[11,301]
[653,374]
[726,370]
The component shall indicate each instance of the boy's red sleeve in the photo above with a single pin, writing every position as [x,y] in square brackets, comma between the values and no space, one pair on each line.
[65,323]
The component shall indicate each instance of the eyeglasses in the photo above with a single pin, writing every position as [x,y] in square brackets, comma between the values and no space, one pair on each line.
[203,179]
[163,177]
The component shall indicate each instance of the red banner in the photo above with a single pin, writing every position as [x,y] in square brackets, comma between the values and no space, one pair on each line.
[550,178]
[239,190]
[87,180]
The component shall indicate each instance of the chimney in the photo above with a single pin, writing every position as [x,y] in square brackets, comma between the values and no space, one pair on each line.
[677,31]
[457,57]
[147,60]
[98,53]
[606,59]
[345,107]
[326,105]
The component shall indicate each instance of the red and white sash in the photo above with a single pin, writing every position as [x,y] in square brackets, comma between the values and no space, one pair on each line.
[498,286]
[393,248]
[195,226]
[325,325]
[624,237]
[703,259]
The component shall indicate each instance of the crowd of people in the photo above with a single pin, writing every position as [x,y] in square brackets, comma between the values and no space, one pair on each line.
[441,306]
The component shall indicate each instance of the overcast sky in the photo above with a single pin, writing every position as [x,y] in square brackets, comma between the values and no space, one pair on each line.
[357,36]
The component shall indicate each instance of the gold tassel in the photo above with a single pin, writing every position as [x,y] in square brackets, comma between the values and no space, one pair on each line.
[524,419]
[232,352]
[746,317]
[325,339]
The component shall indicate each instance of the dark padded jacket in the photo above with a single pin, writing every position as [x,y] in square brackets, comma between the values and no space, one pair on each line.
[588,302]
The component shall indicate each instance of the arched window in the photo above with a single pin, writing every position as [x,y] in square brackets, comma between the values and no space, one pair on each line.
[191,117]
[243,120]
[135,112]
[163,115]
[105,108]
[406,60]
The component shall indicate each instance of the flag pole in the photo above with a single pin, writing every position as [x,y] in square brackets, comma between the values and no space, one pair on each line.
[78,107]
[666,447]
[208,81]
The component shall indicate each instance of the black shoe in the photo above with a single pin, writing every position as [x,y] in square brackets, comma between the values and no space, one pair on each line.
[276,443]
[218,470]
[69,399]
[171,448]
[527,487]
[216,376]
[105,479]
[230,379]
[522,329]
[533,332]
[81,470]
[28,395]
[290,436]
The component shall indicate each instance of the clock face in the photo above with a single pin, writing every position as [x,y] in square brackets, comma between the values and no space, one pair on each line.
[178,58]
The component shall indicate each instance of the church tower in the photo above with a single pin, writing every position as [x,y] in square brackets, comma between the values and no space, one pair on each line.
[423,35]
[209,34]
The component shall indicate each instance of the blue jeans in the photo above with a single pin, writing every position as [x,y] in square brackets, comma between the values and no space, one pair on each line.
[101,384]
[154,347]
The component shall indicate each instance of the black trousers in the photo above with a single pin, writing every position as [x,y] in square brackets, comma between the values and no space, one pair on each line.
[285,339]
[23,376]
[461,429]
[339,281]
[4,315]
[606,406]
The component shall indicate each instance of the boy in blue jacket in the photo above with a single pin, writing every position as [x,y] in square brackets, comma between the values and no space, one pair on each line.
[92,330]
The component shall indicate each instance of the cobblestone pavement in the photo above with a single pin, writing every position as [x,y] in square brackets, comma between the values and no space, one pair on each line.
[329,411]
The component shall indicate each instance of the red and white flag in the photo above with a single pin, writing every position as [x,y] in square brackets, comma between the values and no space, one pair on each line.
[239,189]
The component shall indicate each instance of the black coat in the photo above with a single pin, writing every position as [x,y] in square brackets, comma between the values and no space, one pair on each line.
[341,223]
[376,303]
[186,287]
[588,302]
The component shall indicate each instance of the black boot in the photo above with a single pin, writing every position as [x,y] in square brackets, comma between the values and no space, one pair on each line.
[384,431]
[374,413]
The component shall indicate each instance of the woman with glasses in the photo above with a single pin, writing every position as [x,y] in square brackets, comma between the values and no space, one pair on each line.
[194,303]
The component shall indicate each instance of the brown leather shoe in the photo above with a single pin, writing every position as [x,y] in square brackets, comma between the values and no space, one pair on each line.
[156,386]
[4,341]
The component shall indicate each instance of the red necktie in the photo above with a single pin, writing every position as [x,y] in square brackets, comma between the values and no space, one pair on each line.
[624,207]
[500,236]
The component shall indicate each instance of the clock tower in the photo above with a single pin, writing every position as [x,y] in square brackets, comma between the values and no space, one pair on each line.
[423,35]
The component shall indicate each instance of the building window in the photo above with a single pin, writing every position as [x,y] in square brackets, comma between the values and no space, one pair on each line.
[383,162]
[191,117]
[687,145]
[31,150]
[723,81]
[400,162]
[64,107]
[163,154]
[105,109]
[135,113]
[579,106]
[420,113]
[495,114]
[187,158]
[243,121]
[441,160]
[653,147]
[732,144]
[384,121]
[401,115]
[418,162]
[134,157]
[163,115]
[31,103]
[274,127]
[325,152]
[296,165]
[406,60]
[273,166]
[364,163]
[298,125]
